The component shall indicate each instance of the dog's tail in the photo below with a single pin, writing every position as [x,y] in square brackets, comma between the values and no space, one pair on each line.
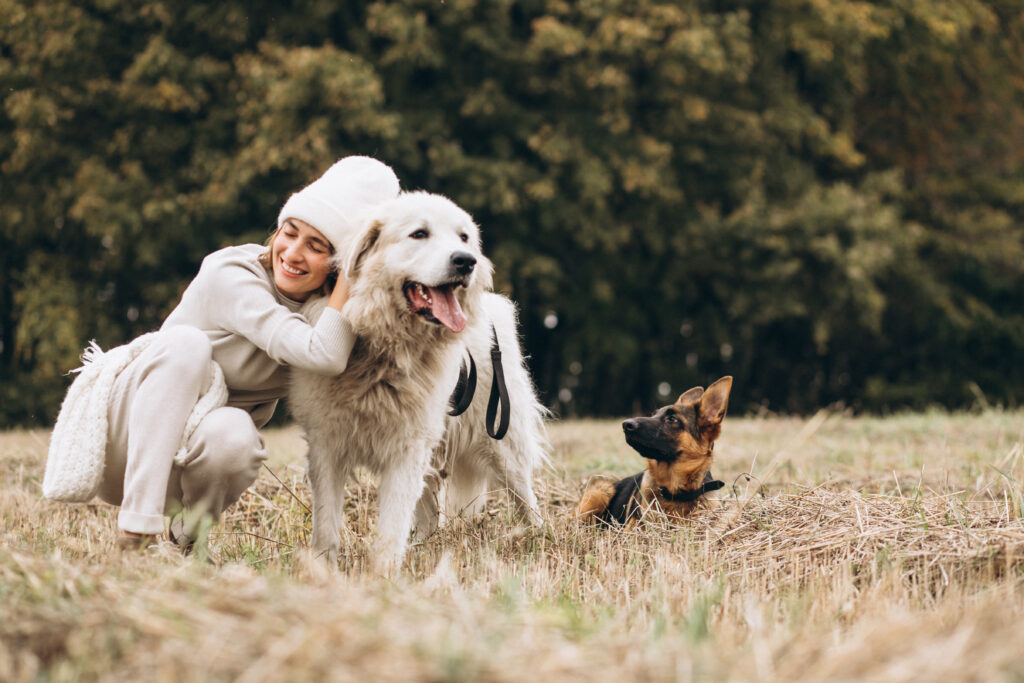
[595,500]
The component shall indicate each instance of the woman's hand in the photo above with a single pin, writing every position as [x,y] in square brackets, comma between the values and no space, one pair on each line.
[339,295]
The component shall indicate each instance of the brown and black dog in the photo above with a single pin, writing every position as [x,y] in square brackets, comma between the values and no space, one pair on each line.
[678,441]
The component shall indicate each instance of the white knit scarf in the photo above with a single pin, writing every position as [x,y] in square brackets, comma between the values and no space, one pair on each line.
[78,445]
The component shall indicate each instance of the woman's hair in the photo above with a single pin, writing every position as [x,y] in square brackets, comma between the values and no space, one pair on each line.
[264,260]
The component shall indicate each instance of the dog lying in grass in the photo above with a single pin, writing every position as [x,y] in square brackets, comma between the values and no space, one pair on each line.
[678,442]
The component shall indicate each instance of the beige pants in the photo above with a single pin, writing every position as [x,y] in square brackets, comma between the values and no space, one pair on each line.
[150,403]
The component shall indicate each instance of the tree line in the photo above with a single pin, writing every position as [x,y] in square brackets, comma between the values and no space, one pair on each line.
[823,199]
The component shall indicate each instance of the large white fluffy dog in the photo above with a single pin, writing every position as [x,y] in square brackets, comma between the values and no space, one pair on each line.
[419,303]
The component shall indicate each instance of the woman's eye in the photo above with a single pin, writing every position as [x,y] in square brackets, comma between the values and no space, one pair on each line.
[464,237]
[420,234]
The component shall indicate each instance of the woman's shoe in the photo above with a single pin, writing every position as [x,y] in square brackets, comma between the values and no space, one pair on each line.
[130,541]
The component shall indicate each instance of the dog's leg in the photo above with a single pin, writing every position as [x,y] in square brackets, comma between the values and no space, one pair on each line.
[518,480]
[428,508]
[400,489]
[595,499]
[327,478]
[468,482]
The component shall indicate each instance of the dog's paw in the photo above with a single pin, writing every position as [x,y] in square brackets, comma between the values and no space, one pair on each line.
[312,567]
[386,566]
[534,518]
[387,557]
[327,554]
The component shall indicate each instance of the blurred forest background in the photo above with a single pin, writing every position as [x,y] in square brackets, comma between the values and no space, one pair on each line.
[823,198]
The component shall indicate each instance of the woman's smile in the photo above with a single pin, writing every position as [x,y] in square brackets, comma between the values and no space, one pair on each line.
[289,270]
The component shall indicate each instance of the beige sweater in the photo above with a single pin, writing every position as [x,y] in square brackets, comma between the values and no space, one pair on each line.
[257,332]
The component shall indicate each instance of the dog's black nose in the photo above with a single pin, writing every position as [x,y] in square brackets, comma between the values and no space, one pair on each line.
[629,426]
[464,262]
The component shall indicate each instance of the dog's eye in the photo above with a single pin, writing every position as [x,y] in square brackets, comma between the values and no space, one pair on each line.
[420,234]
[672,419]
[464,237]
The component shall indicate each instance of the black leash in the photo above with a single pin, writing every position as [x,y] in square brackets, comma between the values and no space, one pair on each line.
[690,496]
[499,392]
[462,397]
[465,389]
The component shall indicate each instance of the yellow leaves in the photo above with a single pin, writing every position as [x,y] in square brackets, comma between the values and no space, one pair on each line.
[696,108]
[48,311]
[542,190]
[288,78]
[553,38]
[163,78]
[837,145]
[637,175]
[840,146]
[34,114]
[167,95]
[950,21]
[608,76]
[108,199]
[700,45]
[595,181]
[623,34]
[294,103]
[31,108]
[647,171]
[485,101]
[413,40]
[551,145]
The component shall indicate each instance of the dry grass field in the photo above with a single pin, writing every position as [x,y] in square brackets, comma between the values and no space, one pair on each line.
[859,549]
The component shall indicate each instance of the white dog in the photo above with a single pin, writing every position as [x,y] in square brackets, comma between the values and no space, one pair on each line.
[420,306]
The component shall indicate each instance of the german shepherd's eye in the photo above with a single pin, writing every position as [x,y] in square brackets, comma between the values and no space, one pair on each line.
[672,420]
[420,234]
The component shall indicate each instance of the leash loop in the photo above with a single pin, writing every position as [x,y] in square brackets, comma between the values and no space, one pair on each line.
[465,388]
[499,393]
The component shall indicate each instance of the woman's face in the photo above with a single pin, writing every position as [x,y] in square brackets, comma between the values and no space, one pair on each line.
[301,258]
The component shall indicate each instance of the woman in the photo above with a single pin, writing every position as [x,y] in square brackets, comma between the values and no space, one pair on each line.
[241,312]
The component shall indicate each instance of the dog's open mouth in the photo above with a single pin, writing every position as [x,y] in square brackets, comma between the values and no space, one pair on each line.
[436,304]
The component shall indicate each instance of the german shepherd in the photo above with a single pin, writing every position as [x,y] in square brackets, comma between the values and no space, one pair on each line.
[678,441]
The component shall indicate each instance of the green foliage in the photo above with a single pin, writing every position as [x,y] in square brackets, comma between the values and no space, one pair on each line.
[822,199]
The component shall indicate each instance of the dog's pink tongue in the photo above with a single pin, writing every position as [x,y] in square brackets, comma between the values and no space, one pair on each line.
[446,308]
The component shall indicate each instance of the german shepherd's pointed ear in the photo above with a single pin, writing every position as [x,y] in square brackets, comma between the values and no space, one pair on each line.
[362,249]
[691,395]
[714,403]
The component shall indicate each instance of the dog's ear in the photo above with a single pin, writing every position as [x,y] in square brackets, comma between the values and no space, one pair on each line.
[714,403]
[363,249]
[691,395]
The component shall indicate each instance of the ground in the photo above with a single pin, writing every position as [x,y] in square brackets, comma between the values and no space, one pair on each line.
[844,548]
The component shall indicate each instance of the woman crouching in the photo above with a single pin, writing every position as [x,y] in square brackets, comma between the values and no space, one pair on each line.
[169,422]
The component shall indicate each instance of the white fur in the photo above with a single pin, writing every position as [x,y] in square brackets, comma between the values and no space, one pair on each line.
[388,410]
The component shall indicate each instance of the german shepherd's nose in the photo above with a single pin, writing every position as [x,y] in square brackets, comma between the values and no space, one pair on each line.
[463,262]
[629,426]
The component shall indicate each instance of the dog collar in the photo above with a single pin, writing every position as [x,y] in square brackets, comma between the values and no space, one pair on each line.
[684,496]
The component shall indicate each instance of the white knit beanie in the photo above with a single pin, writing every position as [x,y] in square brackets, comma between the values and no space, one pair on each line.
[335,202]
